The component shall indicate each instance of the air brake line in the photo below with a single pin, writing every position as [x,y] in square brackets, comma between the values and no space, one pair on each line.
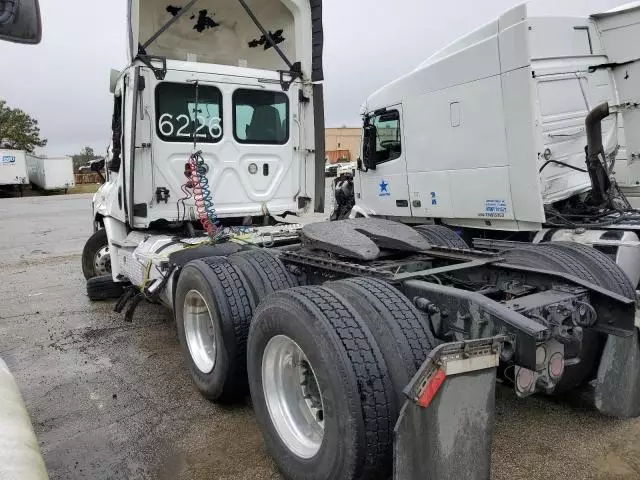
[199,183]
[202,196]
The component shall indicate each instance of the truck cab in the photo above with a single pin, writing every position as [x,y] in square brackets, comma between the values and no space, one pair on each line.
[490,131]
[207,80]
[218,122]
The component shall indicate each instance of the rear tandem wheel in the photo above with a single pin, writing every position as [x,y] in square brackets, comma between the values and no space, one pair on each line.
[264,272]
[320,387]
[399,328]
[213,310]
[441,236]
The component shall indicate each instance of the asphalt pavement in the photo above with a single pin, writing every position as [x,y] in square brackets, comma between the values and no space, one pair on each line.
[112,400]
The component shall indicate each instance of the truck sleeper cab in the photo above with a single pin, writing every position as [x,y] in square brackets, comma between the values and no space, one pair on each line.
[490,132]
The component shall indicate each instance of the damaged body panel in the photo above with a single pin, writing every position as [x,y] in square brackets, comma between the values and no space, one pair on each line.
[222,32]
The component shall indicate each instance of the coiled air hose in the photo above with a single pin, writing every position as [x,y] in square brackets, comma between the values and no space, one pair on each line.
[202,196]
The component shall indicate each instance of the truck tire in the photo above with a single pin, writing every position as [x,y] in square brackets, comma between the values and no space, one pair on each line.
[399,328]
[265,273]
[313,334]
[213,310]
[440,236]
[611,277]
[104,288]
[546,257]
[96,260]
[608,273]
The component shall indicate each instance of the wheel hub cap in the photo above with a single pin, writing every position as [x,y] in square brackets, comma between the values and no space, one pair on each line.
[293,397]
[102,262]
[199,332]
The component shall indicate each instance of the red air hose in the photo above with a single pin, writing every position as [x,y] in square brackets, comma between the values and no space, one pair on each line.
[202,196]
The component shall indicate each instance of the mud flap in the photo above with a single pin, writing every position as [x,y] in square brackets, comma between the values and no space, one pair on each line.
[445,427]
[617,386]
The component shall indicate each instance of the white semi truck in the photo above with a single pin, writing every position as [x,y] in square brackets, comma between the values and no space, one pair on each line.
[51,174]
[490,133]
[13,170]
[370,348]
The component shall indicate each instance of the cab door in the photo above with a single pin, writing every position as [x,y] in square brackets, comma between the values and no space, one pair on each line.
[384,187]
[138,190]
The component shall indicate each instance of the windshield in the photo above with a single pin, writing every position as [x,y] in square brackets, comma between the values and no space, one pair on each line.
[177,119]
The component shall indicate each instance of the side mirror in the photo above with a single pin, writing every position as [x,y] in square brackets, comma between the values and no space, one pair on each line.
[20,21]
[97,166]
[369,147]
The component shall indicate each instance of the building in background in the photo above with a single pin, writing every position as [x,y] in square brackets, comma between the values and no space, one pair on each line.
[342,144]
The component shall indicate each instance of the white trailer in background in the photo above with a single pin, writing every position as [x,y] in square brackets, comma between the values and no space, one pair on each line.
[51,174]
[13,170]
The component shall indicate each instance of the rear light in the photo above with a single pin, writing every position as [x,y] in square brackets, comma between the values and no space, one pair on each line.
[556,366]
[431,388]
[524,380]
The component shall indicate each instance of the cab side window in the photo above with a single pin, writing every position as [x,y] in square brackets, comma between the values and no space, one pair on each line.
[388,138]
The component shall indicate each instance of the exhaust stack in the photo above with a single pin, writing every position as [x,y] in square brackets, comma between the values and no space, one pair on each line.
[600,182]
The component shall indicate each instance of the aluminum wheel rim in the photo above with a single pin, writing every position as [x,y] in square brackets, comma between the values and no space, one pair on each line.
[293,397]
[102,261]
[199,331]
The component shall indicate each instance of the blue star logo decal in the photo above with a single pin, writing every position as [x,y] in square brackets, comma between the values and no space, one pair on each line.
[384,189]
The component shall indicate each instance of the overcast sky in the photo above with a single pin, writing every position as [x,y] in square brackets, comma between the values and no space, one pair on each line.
[64,82]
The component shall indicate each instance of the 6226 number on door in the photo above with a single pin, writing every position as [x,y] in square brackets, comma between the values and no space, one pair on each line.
[183,127]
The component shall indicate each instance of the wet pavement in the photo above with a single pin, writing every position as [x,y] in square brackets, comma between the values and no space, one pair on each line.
[111,400]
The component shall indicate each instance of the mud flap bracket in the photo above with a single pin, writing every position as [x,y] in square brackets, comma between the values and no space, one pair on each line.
[445,427]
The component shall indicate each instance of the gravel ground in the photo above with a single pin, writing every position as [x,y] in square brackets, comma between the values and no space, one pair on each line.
[111,400]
